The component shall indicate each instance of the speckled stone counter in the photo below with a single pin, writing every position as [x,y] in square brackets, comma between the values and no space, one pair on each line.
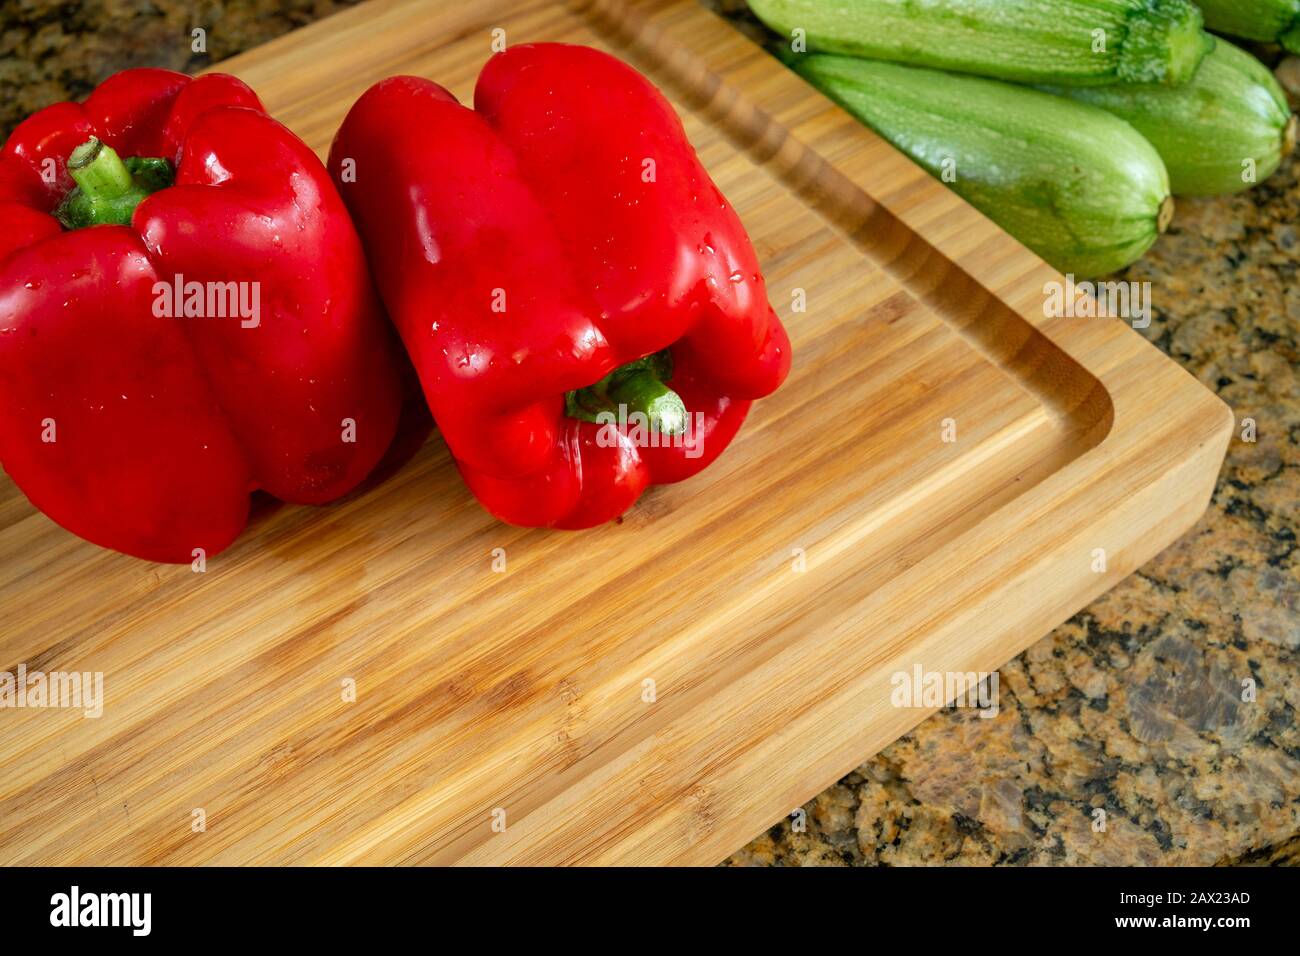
[1135,705]
[54,50]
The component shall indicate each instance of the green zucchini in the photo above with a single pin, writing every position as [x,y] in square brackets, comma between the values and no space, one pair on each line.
[1271,21]
[1222,132]
[1074,42]
[1075,184]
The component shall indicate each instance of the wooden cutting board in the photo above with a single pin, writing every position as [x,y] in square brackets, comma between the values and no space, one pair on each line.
[657,690]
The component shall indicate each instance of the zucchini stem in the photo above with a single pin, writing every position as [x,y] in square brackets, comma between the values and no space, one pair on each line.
[1166,215]
[1164,43]
[1291,39]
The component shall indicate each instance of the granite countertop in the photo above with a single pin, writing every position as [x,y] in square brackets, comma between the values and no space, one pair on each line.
[1135,704]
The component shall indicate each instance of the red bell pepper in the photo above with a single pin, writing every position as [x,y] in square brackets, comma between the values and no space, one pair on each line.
[549,256]
[131,411]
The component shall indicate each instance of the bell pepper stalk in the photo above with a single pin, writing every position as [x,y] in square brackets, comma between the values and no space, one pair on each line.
[143,423]
[557,259]
[638,386]
[108,189]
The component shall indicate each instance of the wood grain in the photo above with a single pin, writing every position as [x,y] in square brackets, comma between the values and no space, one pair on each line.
[524,691]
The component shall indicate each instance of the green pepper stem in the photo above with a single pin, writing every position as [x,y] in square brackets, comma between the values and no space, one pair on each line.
[99,171]
[643,392]
[108,188]
[637,387]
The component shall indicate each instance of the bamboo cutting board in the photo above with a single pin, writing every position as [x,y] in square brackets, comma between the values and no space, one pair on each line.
[657,690]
